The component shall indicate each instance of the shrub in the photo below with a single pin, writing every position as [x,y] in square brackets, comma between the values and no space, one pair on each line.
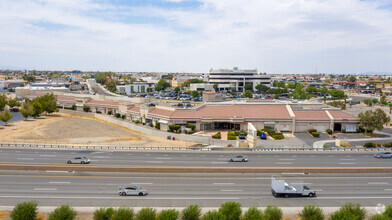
[98,112]
[329,131]
[174,127]
[277,136]
[168,214]
[64,212]
[137,121]
[259,132]
[213,215]
[311,213]
[344,131]
[379,217]
[103,213]
[312,130]
[315,134]
[192,212]
[378,145]
[231,137]
[86,108]
[24,211]
[273,213]
[369,145]
[387,145]
[217,136]
[193,127]
[122,117]
[157,125]
[146,214]
[110,112]
[349,211]
[230,133]
[388,211]
[232,210]
[253,213]
[117,115]
[123,213]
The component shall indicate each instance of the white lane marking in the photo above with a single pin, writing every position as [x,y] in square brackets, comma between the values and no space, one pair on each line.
[283,163]
[45,189]
[232,190]
[154,161]
[346,159]
[183,155]
[123,198]
[218,162]
[60,182]
[313,156]
[293,156]
[347,163]
[21,158]
[378,183]
[142,183]
[163,158]
[223,183]
[129,154]
[47,155]
[220,155]
[101,157]
[147,154]
[56,171]
[222,159]
[330,156]
[165,155]
[348,156]
[388,189]
[286,159]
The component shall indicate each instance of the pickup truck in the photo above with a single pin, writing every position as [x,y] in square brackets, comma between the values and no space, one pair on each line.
[281,188]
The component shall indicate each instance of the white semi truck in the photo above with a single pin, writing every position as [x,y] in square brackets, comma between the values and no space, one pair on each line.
[281,188]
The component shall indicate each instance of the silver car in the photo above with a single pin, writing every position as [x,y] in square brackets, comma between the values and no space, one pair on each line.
[383,155]
[238,158]
[133,190]
[81,160]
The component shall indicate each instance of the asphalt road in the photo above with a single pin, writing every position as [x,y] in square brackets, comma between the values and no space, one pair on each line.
[208,159]
[180,190]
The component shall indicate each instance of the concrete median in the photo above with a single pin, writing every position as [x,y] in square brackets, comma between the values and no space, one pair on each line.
[189,169]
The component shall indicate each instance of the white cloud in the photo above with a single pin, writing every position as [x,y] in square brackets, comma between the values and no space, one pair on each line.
[273,36]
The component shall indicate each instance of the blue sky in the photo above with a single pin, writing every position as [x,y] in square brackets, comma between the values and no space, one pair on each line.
[285,36]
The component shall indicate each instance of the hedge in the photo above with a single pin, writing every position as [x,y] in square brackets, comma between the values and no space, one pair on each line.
[193,127]
[312,130]
[329,131]
[174,127]
[315,134]
[369,145]
[231,137]
[277,136]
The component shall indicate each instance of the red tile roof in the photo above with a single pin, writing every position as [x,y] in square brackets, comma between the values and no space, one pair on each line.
[341,115]
[134,109]
[311,115]
[63,98]
[161,112]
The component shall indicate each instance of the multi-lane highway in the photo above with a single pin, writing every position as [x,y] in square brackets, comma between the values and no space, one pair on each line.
[169,158]
[52,188]
[174,190]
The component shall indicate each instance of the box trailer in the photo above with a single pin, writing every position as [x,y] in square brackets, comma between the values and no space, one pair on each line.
[281,188]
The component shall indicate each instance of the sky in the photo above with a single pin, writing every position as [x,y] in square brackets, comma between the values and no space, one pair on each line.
[274,36]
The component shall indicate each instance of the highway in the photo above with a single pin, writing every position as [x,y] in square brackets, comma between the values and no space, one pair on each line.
[197,158]
[179,190]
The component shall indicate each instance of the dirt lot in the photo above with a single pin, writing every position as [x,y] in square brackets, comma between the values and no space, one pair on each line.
[65,128]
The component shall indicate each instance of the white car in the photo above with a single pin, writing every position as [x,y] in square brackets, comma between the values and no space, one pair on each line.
[81,160]
[238,158]
[132,190]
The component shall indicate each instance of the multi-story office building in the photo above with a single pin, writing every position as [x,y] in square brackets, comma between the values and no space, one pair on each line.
[236,79]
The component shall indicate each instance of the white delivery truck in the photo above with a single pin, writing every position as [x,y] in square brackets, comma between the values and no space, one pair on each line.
[281,188]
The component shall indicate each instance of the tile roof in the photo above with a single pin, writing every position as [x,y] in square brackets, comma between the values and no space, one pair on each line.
[161,112]
[134,109]
[237,110]
[311,115]
[342,115]
[63,98]
[102,102]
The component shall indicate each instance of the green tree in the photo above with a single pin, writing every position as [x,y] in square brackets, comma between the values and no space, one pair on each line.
[64,212]
[371,120]
[215,86]
[248,94]
[337,94]
[177,89]
[5,116]
[352,79]
[232,210]
[27,110]
[195,94]
[101,78]
[214,215]
[262,88]
[24,211]
[48,103]
[162,85]
[111,86]
[3,102]
[253,213]
[349,211]
[29,78]
[37,108]
[249,86]
[312,90]
[291,85]
[192,212]
[13,102]
[279,84]
[170,76]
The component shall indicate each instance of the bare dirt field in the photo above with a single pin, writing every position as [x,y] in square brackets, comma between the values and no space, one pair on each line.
[73,129]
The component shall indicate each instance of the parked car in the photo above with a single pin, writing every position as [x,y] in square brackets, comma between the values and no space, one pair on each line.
[132,190]
[238,158]
[383,155]
[263,136]
[81,160]
[242,136]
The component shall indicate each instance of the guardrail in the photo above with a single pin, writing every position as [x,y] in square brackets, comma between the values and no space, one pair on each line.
[90,147]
